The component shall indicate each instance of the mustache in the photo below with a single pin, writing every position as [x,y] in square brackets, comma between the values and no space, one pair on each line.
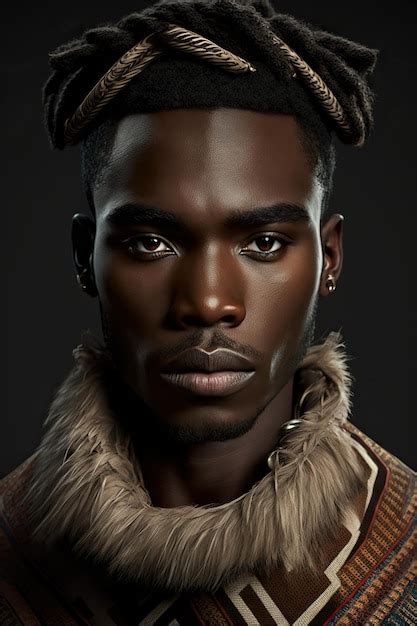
[202,340]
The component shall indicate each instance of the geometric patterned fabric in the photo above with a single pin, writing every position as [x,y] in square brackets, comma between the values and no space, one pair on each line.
[370,577]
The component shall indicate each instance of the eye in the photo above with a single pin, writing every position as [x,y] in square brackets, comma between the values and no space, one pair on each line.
[150,246]
[267,244]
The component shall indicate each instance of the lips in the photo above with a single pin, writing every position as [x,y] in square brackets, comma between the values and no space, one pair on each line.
[209,384]
[197,360]
[218,373]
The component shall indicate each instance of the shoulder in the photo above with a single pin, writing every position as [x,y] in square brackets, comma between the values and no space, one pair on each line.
[26,595]
[13,579]
[394,497]
[379,577]
[13,488]
[388,458]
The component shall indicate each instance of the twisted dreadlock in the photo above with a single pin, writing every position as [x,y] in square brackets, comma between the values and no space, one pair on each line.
[180,80]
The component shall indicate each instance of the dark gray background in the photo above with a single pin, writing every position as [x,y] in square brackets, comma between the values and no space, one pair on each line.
[375,188]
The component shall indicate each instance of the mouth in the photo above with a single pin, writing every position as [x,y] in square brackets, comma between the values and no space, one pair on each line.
[220,383]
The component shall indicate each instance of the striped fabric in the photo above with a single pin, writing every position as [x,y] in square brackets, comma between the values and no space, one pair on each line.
[370,577]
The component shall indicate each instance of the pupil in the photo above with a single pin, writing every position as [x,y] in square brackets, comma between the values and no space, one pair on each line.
[151,239]
[267,237]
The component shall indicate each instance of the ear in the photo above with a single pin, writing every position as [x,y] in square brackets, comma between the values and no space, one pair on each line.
[83,235]
[332,246]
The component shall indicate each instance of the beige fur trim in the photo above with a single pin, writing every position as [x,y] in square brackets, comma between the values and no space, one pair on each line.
[87,487]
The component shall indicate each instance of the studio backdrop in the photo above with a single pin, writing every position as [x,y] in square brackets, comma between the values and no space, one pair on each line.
[375,189]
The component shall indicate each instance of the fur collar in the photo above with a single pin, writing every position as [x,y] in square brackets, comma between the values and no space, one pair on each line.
[87,487]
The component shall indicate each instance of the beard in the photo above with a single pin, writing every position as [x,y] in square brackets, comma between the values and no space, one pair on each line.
[130,404]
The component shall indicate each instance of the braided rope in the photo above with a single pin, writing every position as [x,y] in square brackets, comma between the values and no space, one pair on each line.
[135,60]
[143,53]
[326,97]
[188,41]
[129,65]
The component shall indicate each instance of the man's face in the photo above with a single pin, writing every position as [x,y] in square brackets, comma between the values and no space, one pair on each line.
[245,286]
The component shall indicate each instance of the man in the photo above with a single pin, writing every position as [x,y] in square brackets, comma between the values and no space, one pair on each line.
[199,466]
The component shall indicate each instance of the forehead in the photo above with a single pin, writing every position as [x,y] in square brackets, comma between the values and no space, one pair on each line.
[208,158]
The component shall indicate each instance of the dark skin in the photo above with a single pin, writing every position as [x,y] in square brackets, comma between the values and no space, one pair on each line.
[210,286]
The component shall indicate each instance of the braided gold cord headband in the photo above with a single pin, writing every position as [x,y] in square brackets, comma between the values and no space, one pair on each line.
[129,65]
[187,41]
[143,53]
[319,88]
[135,60]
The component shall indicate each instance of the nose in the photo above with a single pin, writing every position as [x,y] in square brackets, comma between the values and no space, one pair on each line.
[208,290]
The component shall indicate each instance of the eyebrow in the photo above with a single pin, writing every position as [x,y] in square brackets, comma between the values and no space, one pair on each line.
[145,214]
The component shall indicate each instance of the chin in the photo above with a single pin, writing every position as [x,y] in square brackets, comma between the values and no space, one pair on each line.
[202,430]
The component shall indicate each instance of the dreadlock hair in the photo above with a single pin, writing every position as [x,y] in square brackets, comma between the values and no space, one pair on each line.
[179,80]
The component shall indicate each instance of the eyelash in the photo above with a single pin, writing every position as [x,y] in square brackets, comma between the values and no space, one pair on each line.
[151,255]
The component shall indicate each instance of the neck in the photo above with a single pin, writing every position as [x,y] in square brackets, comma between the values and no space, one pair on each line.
[213,471]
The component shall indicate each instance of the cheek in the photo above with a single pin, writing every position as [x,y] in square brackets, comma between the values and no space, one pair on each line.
[300,280]
[290,285]
[285,302]
[134,300]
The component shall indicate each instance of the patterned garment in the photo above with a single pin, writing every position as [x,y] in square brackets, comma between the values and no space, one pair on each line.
[370,577]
